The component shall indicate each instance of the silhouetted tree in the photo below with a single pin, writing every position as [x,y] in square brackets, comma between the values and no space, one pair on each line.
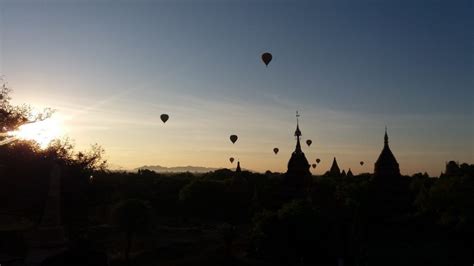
[295,233]
[132,216]
[26,186]
[229,234]
[12,116]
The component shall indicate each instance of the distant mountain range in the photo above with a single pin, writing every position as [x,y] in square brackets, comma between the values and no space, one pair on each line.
[177,169]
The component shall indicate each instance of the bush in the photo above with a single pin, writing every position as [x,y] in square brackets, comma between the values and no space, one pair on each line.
[297,232]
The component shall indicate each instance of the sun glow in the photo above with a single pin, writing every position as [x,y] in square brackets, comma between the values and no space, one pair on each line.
[42,132]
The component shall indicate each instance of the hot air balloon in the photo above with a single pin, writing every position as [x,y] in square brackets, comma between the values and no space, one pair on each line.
[266,58]
[233,138]
[164,117]
[309,142]
[275,150]
[313,165]
[361,163]
[318,160]
[231,159]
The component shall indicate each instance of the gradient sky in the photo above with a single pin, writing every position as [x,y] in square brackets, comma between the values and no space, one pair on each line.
[350,67]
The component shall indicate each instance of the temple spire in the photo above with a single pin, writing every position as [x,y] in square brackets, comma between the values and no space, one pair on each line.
[298,134]
[334,171]
[238,169]
[298,176]
[386,165]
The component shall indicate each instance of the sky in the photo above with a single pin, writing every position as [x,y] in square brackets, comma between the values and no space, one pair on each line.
[110,68]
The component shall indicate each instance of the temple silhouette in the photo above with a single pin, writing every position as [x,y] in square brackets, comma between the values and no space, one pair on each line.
[334,170]
[238,169]
[298,164]
[386,165]
[297,179]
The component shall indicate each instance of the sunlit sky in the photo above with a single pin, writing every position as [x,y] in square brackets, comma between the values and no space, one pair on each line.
[110,68]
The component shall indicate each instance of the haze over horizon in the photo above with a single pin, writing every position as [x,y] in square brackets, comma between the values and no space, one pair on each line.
[111,68]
